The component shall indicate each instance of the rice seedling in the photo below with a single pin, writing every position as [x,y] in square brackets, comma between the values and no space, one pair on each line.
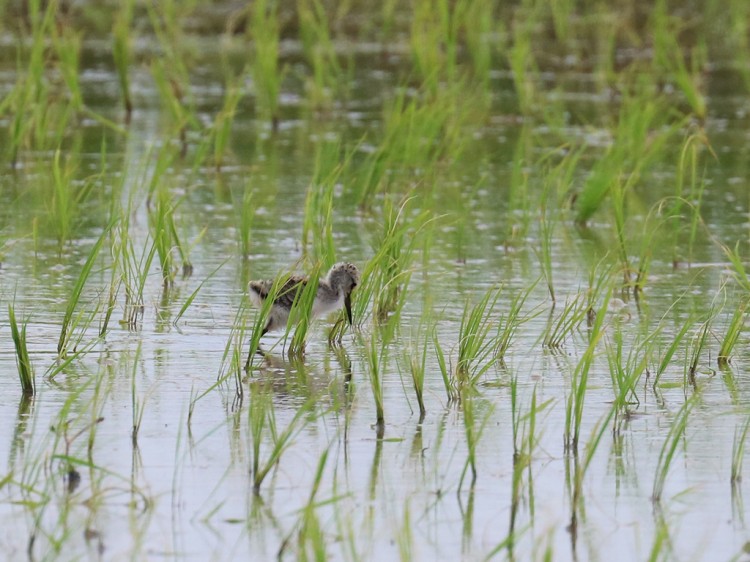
[376,357]
[318,220]
[506,543]
[171,82]
[738,452]
[67,44]
[579,469]
[115,281]
[695,348]
[515,414]
[244,213]
[446,370]
[626,372]
[519,199]
[23,363]
[64,205]
[599,280]
[426,37]
[424,132]
[191,298]
[390,266]
[122,48]
[265,31]
[317,44]
[137,407]
[544,253]
[478,19]
[523,67]
[562,12]
[300,315]
[222,126]
[604,174]
[169,71]
[101,394]
[416,358]
[639,139]
[688,193]
[511,321]
[63,437]
[579,380]
[651,229]
[230,366]
[387,274]
[69,323]
[520,463]
[164,234]
[738,267]
[261,318]
[262,419]
[674,344]
[619,192]
[29,101]
[670,60]
[475,344]
[525,440]
[559,328]
[134,273]
[696,198]
[732,335]
[434,38]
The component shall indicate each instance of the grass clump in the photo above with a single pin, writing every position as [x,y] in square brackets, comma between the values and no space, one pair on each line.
[732,334]
[559,328]
[416,360]
[476,346]
[390,267]
[265,31]
[626,370]
[261,318]
[579,380]
[375,355]
[23,363]
[421,132]
[300,315]
[327,75]
[670,60]
[162,224]
[511,321]
[640,137]
[317,229]
[222,125]
[70,322]
[122,52]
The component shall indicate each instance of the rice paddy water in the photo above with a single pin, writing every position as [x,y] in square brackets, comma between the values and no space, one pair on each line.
[547,204]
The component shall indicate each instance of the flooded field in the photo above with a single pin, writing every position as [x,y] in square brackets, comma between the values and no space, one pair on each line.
[549,209]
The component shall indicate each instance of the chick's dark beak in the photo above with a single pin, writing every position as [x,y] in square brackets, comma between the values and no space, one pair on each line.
[348,307]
